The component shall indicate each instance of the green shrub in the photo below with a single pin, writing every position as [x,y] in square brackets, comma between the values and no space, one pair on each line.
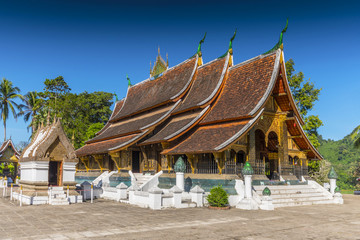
[218,197]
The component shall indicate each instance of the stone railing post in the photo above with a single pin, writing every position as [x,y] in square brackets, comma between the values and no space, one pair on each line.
[155,198]
[332,177]
[177,192]
[121,191]
[247,172]
[180,168]
[248,202]
[134,187]
[266,201]
[197,196]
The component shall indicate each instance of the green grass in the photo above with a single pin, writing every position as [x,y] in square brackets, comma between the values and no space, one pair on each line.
[347,191]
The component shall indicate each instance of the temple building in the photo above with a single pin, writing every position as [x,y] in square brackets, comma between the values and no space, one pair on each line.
[9,155]
[216,115]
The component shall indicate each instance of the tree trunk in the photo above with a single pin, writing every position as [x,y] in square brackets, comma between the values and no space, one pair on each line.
[4,130]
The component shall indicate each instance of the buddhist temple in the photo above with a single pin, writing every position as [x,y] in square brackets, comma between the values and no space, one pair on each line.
[9,155]
[215,115]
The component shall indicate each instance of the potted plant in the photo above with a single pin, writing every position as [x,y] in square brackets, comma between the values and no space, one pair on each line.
[218,198]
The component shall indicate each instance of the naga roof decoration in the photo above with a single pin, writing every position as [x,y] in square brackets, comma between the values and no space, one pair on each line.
[190,102]
[230,45]
[128,79]
[279,44]
[160,66]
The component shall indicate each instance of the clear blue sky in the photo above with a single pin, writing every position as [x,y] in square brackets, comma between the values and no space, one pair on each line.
[94,44]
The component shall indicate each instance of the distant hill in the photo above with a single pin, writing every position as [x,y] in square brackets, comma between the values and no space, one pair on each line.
[344,157]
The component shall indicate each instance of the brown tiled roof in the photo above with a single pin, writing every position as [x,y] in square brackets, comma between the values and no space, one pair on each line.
[117,108]
[132,125]
[176,126]
[104,146]
[206,84]
[243,89]
[206,138]
[166,88]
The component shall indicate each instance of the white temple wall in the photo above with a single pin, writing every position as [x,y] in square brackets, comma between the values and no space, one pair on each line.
[34,171]
[69,169]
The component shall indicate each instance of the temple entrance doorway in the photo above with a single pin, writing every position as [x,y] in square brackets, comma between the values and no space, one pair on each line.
[272,159]
[54,173]
[135,161]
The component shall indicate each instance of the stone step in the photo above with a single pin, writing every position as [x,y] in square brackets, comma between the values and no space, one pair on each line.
[299,199]
[60,203]
[294,195]
[301,203]
[57,188]
[282,187]
[291,191]
[58,196]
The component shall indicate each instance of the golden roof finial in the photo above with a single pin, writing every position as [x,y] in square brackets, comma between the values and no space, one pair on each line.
[167,60]
[159,50]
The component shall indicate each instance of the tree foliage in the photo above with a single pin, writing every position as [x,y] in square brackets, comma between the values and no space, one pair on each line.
[93,129]
[305,95]
[31,106]
[8,95]
[345,158]
[77,111]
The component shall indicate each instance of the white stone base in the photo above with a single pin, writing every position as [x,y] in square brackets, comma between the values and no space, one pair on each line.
[247,204]
[40,200]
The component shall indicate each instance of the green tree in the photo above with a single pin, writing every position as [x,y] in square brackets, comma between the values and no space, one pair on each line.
[80,111]
[8,93]
[305,95]
[33,104]
[93,129]
[54,89]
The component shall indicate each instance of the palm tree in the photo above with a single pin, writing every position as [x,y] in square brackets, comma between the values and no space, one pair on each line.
[30,109]
[8,94]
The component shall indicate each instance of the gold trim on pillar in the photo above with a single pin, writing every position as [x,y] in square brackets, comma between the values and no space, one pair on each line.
[193,160]
[166,145]
[220,161]
[85,161]
[115,156]
[99,159]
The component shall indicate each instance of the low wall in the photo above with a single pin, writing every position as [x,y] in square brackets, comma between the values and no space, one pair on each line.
[205,181]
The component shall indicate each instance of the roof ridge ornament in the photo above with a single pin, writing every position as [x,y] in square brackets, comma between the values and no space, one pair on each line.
[160,66]
[230,46]
[198,52]
[279,44]
[129,82]
[200,43]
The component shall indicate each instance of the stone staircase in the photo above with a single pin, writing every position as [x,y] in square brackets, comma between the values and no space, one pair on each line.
[142,178]
[295,195]
[58,196]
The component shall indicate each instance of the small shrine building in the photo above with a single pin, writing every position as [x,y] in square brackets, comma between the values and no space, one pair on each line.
[49,160]
[9,155]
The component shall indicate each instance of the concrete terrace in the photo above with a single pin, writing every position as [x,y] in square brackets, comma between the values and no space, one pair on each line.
[112,220]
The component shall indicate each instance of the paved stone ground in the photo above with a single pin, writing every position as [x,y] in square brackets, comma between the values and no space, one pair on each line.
[111,220]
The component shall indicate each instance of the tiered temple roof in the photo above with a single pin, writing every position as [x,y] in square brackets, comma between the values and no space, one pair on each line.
[198,108]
